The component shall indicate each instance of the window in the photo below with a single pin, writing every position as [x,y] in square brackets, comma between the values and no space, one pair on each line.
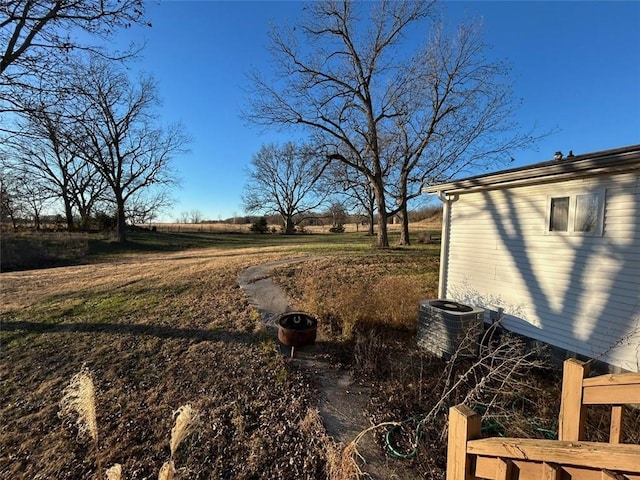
[587,209]
[579,214]
[559,221]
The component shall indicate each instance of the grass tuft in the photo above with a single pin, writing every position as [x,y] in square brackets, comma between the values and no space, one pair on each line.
[167,471]
[348,467]
[79,401]
[114,472]
[186,420]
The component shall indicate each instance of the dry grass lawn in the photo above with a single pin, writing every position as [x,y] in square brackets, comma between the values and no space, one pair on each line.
[165,329]
[157,331]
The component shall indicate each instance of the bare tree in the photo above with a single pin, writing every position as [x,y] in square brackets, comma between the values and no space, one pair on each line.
[338,213]
[457,115]
[284,180]
[395,113]
[36,37]
[343,85]
[34,197]
[120,137]
[195,216]
[183,218]
[44,152]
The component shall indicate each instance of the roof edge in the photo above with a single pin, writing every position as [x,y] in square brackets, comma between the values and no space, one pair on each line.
[607,161]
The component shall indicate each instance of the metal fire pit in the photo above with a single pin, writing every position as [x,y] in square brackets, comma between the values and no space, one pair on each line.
[297,329]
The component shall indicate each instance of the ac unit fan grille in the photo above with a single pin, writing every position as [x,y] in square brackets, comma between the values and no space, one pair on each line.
[446,327]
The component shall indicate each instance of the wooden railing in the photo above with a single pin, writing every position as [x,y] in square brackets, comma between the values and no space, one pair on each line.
[569,458]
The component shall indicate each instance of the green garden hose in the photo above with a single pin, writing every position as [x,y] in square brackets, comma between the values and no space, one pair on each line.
[393,448]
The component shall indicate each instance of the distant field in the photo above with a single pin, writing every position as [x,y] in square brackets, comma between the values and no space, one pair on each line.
[245,227]
[28,249]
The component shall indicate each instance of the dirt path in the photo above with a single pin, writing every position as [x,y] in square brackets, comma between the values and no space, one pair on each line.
[343,399]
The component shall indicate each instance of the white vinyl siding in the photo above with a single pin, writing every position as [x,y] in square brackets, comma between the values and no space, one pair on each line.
[577,292]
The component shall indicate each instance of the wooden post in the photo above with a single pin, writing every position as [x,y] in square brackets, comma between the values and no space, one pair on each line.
[571,427]
[464,425]
[615,432]
[550,471]
[503,469]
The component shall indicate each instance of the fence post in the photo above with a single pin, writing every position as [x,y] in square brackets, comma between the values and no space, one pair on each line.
[550,471]
[571,424]
[464,425]
[504,467]
[615,431]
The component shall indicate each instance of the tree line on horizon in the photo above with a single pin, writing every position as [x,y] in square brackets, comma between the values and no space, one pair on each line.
[335,215]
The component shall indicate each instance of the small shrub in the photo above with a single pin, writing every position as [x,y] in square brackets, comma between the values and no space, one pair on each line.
[369,354]
[260,226]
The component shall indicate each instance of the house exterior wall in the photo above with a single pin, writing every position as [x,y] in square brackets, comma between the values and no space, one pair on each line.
[574,291]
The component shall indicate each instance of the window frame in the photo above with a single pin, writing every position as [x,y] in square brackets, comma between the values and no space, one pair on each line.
[573,206]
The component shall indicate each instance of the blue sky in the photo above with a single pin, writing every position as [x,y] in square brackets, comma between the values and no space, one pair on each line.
[576,66]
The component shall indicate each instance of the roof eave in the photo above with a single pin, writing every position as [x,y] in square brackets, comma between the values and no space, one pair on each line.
[587,165]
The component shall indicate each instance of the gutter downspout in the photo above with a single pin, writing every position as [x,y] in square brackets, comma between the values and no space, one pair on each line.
[444,241]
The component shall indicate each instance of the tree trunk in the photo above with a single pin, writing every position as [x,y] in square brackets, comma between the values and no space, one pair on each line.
[121,225]
[371,214]
[68,213]
[383,237]
[404,232]
[85,221]
[290,226]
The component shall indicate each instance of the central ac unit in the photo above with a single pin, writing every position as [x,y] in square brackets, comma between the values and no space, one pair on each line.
[446,327]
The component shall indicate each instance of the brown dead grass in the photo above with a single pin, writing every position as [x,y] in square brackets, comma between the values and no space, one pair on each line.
[158,331]
[362,292]
[430,224]
[163,330]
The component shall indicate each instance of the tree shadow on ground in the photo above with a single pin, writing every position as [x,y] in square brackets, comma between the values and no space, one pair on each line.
[160,331]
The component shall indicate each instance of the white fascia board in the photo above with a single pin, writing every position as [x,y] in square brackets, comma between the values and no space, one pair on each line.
[548,172]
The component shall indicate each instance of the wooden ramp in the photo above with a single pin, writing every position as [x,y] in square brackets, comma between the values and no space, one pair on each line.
[569,458]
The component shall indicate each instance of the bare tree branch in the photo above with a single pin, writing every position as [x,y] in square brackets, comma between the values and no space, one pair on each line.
[396,114]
